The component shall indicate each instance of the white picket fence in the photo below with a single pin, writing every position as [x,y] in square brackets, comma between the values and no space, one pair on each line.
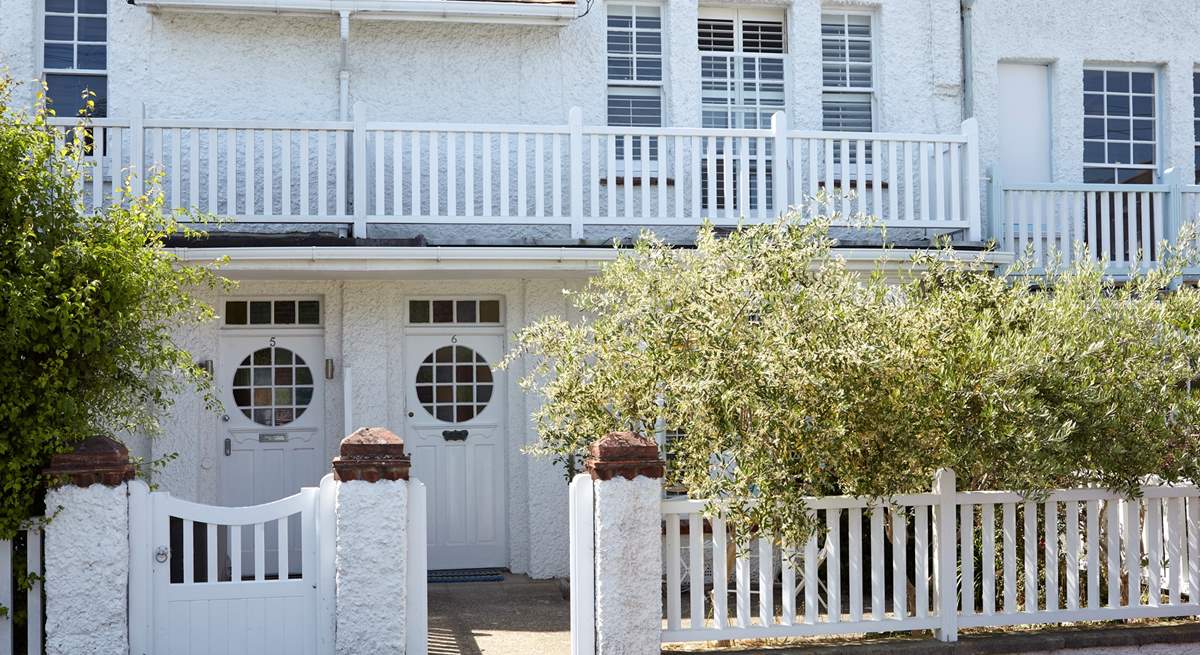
[10,641]
[362,172]
[940,561]
[1121,224]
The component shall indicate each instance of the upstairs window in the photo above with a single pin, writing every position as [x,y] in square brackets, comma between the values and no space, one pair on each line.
[75,54]
[635,72]
[742,54]
[1120,126]
[847,72]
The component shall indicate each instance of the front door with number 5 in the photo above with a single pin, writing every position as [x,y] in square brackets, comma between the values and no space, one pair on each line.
[273,442]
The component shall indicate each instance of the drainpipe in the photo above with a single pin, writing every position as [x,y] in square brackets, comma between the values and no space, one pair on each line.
[344,72]
[968,68]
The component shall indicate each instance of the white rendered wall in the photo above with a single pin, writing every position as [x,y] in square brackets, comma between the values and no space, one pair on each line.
[192,65]
[628,536]
[371,565]
[87,558]
[1069,35]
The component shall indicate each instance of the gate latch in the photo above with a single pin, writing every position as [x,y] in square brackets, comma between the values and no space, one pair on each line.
[162,554]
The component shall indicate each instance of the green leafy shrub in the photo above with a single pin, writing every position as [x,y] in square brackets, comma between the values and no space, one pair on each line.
[788,375]
[89,304]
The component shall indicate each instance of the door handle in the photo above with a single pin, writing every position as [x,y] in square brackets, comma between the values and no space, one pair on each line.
[228,447]
[454,435]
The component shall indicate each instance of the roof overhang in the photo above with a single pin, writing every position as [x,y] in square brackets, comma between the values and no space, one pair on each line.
[470,11]
[316,262]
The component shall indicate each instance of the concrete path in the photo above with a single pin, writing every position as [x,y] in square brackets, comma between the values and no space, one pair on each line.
[518,616]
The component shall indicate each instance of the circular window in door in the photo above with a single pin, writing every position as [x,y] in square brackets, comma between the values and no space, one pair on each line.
[273,386]
[454,384]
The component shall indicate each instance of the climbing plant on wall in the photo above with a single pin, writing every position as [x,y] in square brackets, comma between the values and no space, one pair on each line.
[90,302]
[784,374]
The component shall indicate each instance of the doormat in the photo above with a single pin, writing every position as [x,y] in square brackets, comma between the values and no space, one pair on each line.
[466,575]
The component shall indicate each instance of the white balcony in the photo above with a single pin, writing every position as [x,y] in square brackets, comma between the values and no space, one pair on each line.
[1124,225]
[362,173]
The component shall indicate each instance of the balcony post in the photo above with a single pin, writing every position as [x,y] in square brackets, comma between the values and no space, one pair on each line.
[358,170]
[779,176]
[137,148]
[996,208]
[970,129]
[1173,219]
[575,127]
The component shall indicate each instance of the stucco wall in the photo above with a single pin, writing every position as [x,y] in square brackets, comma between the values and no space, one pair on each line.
[364,330]
[628,611]
[192,65]
[1068,36]
[87,549]
[372,566]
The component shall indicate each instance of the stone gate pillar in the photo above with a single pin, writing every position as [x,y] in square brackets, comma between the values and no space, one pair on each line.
[627,476]
[371,563]
[87,550]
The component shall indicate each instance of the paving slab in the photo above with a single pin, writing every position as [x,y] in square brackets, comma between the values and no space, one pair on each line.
[517,616]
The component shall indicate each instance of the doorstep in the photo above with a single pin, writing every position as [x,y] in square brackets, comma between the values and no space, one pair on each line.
[1116,639]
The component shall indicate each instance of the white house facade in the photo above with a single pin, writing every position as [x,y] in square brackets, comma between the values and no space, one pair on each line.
[410,182]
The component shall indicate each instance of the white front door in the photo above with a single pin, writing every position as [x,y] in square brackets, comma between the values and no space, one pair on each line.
[455,409]
[271,385]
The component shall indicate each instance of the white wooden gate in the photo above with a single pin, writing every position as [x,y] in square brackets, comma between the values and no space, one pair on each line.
[208,579]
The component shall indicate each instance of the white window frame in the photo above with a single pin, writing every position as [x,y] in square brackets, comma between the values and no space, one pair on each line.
[1159,119]
[873,90]
[1195,122]
[40,38]
[646,88]
[288,327]
[474,328]
[738,15]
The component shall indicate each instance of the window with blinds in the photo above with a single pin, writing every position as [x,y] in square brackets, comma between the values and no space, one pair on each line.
[742,61]
[742,54]
[848,75]
[635,72]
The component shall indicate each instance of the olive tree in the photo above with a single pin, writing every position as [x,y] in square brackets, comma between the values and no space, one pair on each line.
[783,374]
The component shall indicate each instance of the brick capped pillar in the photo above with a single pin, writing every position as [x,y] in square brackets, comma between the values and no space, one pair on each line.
[372,537]
[627,472]
[87,550]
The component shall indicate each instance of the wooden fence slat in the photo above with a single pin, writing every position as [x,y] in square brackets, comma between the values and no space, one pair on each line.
[696,568]
[854,562]
[720,575]
[673,564]
[987,556]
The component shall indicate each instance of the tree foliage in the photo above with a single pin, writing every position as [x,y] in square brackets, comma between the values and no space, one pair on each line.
[788,375]
[89,304]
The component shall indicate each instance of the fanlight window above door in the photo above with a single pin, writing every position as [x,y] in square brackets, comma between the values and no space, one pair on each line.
[454,384]
[273,386]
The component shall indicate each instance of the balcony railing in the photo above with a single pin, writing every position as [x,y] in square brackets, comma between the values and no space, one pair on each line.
[362,172]
[1124,225]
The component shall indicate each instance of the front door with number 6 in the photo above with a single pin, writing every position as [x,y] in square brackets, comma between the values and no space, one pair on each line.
[455,413]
